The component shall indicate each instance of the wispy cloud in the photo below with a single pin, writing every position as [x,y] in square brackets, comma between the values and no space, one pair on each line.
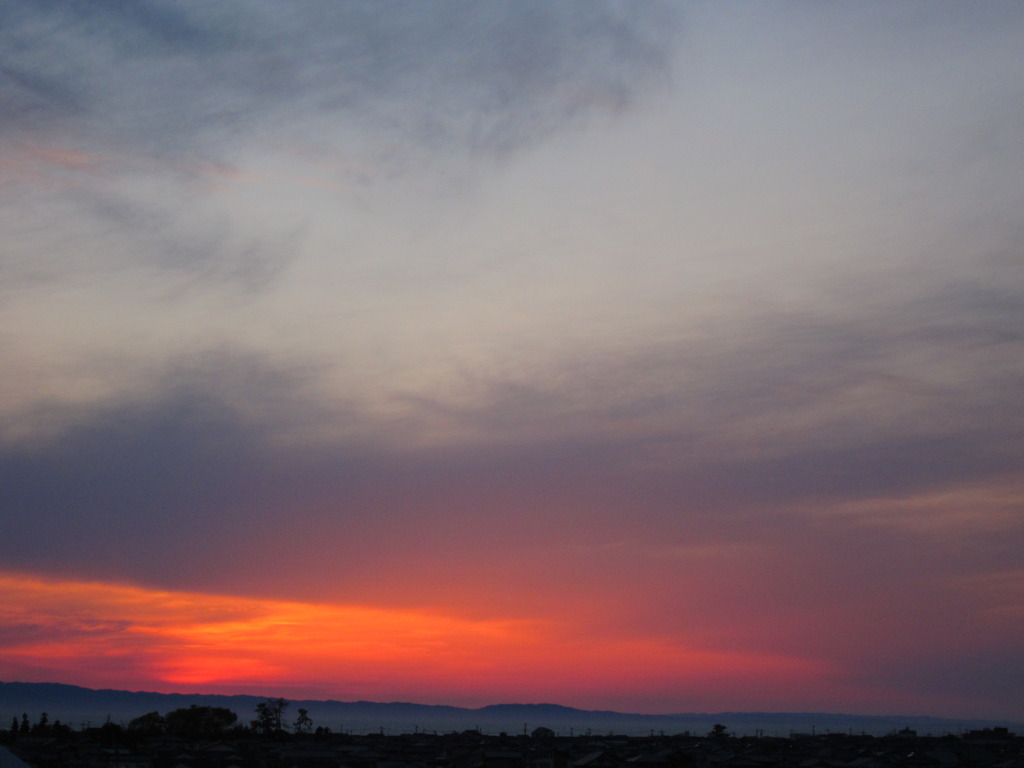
[172,77]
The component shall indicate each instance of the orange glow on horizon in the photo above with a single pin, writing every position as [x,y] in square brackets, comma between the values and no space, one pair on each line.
[109,635]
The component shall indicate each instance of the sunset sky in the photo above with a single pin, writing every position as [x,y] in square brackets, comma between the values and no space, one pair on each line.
[649,357]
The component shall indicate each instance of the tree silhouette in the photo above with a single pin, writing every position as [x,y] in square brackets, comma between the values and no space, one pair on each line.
[303,723]
[269,716]
[42,727]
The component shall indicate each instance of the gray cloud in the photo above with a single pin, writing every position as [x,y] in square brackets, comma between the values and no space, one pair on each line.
[205,466]
[987,680]
[175,76]
[766,412]
[155,89]
[778,407]
[191,241]
[153,470]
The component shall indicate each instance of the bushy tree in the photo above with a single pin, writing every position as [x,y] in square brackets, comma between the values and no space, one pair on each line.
[109,733]
[197,722]
[149,723]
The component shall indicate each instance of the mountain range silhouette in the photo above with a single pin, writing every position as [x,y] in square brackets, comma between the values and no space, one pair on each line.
[81,707]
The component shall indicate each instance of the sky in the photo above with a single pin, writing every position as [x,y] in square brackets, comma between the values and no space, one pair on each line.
[648,357]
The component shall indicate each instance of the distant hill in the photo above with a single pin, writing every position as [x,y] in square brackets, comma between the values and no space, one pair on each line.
[78,706]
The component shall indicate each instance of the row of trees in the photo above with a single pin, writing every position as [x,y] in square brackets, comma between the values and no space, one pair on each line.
[42,727]
[197,722]
[194,722]
[270,718]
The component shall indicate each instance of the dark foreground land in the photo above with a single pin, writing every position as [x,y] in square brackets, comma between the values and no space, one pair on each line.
[113,747]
